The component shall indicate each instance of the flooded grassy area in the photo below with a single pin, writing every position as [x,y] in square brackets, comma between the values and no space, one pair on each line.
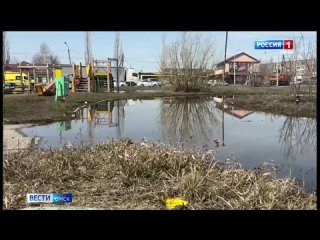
[28,108]
[275,100]
[31,108]
[277,104]
[105,175]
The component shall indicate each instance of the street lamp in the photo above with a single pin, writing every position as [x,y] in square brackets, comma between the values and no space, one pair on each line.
[68,52]
[234,67]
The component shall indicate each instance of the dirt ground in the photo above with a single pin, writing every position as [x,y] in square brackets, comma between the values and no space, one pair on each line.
[13,139]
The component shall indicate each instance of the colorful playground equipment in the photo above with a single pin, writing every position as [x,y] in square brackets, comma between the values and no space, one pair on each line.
[45,91]
[63,126]
[32,77]
[61,84]
[102,113]
[58,88]
[98,77]
[94,77]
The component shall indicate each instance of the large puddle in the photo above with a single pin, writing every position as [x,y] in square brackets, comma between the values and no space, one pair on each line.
[251,138]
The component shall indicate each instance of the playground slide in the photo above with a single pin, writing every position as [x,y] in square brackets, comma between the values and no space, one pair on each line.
[47,91]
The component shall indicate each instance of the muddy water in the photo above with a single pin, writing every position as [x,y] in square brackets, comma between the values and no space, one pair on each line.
[252,138]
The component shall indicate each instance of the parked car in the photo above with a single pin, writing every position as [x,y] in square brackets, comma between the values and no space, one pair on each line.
[216,84]
[122,83]
[295,82]
[150,82]
[131,84]
[210,82]
[156,81]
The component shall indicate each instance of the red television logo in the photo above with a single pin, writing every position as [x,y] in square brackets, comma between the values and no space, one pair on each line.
[288,44]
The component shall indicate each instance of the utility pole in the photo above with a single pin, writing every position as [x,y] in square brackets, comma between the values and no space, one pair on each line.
[234,70]
[234,67]
[278,70]
[118,122]
[223,76]
[223,121]
[225,56]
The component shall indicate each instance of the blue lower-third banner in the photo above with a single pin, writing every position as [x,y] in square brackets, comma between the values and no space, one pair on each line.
[49,198]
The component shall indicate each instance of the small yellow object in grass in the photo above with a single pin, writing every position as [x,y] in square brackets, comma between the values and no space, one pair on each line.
[172,203]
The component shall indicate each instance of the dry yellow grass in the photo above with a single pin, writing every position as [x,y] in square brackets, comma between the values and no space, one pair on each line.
[126,175]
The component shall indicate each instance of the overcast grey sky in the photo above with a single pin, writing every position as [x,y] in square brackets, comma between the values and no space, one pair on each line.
[141,49]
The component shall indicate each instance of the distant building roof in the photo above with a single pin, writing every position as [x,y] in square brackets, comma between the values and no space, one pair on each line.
[25,63]
[237,55]
[236,112]
[147,73]
[11,66]
[239,113]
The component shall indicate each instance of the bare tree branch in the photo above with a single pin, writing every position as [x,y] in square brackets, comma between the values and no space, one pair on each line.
[118,52]
[45,56]
[6,49]
[307,53]
[185,118]
[88,48]
[184,62]
[298,135]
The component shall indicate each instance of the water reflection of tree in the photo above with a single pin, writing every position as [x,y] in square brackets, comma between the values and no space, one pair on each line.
[184,119]
[297,135]
[120,116]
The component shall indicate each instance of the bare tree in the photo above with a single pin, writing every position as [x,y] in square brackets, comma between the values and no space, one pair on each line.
[5,53]
[88,48]
[6,49]
[118,52]
[265,71]
[293,58]
[183,119]
[306,53]
[184,62]
[15,60]
[297,136]
[45,56]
